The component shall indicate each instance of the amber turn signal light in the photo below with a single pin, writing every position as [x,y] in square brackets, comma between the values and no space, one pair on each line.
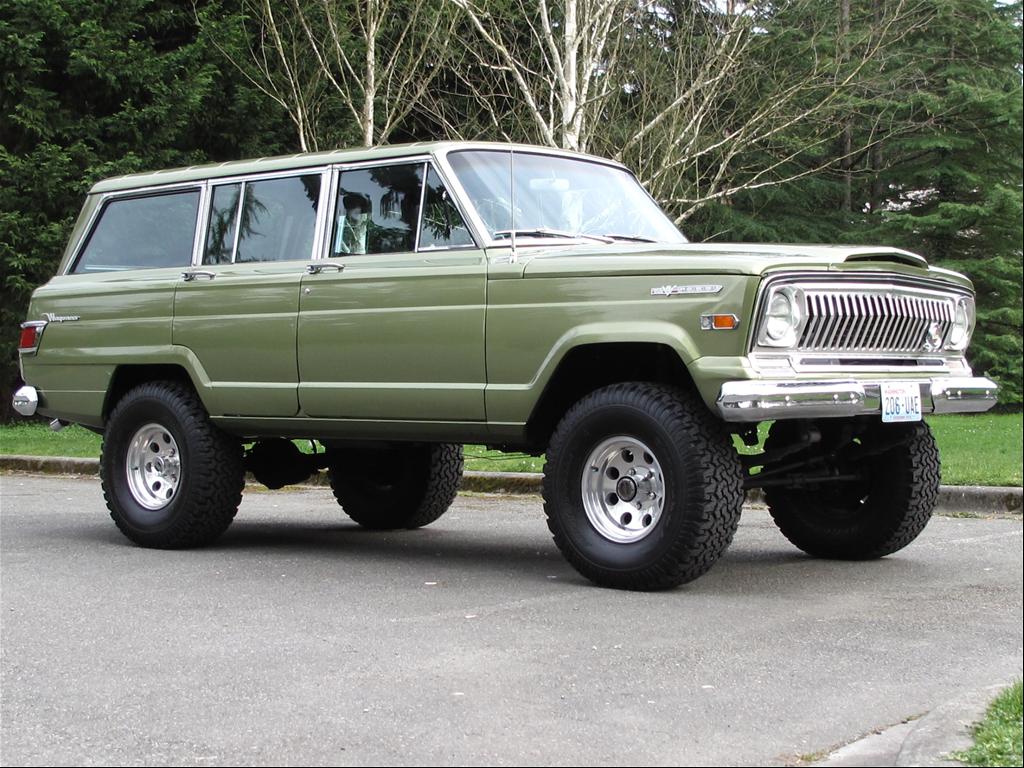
[725,322]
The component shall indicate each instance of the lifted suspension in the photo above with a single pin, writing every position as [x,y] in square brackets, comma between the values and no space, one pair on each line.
[837,460]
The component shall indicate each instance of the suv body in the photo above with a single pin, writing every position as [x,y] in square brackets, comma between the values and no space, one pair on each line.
[393,303]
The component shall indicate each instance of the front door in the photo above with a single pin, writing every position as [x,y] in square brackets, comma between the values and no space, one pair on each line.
[391,327]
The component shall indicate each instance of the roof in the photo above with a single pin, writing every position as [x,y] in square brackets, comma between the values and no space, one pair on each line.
[310,160]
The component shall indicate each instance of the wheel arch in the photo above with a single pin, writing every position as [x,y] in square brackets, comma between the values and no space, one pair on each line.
[587,367]
[126,377]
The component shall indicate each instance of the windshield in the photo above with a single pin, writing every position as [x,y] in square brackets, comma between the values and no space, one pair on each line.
[559,197]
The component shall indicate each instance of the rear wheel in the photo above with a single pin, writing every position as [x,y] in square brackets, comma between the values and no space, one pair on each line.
[396,487]
[642,487]
[886,507]
[170,478]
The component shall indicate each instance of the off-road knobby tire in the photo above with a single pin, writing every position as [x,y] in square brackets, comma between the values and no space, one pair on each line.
[396,487]
[703,486]
[212,475]
[873,519]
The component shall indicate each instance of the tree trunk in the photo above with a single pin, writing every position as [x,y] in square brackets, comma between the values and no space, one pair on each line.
[847,138]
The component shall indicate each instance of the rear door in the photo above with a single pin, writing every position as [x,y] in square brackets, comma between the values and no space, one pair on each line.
[237,309]
[392,325]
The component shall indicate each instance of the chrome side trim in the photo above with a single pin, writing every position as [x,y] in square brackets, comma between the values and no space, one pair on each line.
[749,401]
[421,213]
[852,364]
[25,401]
[202,224]
[322,214]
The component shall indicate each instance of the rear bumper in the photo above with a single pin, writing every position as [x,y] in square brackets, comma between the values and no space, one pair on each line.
[764,400]
[25,401]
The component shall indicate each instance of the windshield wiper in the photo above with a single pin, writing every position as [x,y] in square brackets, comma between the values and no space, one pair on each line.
[545,232]
[633,238]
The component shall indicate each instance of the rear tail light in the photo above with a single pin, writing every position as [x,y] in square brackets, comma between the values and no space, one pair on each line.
[31,332]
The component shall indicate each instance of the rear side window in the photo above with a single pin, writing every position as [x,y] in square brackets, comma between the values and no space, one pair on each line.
[276,222]
[220,235]
[142,233]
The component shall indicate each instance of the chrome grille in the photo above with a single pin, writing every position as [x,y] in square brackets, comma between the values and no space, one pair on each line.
[875,320]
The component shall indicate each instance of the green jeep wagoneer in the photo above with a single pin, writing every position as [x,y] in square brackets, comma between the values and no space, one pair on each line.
[393,303]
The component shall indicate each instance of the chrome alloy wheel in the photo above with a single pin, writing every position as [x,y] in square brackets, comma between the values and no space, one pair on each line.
[153,467]
[623,489]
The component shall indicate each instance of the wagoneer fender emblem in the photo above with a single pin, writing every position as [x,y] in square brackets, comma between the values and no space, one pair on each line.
[60,318]
[671,290]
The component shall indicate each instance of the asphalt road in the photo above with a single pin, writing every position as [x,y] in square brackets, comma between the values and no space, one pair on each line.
[301,639]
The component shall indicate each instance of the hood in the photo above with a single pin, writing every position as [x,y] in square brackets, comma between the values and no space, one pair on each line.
[721,258]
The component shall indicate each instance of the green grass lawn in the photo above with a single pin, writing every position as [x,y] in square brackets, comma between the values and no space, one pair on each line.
[37,439]
[998,738]
[983,449]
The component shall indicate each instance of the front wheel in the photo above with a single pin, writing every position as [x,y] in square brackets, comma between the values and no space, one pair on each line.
[170,478]
[885,507]
[642,487]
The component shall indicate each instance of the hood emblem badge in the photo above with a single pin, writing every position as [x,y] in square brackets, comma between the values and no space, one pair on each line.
[674,290]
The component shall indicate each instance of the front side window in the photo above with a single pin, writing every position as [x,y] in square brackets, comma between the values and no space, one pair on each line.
[559,196]
[142,233]
[268,220]
[378,209]
[442,225]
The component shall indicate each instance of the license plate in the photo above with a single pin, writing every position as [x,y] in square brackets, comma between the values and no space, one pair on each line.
[901,401]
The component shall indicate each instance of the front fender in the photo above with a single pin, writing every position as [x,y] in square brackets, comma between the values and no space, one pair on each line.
[512,403]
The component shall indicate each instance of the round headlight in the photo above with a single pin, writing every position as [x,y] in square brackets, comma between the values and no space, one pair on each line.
[781,320]
[963,324]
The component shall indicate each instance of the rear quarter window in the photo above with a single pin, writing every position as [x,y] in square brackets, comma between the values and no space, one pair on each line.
[142,233]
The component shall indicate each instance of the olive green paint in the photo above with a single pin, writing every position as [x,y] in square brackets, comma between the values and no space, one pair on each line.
[453,345]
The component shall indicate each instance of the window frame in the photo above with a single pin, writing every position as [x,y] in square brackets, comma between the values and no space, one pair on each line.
[210,186]
[484,235]
[455,201]
[107,198]
[329,173]
[426,161]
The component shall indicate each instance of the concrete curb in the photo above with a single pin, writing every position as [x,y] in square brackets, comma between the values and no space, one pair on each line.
[927,741]
[1000,500]
[947,729]
[50,465]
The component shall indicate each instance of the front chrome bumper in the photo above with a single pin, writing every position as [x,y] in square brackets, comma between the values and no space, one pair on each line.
[764,400]
[25,401]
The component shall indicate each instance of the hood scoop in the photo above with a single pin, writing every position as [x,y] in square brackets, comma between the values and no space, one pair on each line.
[886,254]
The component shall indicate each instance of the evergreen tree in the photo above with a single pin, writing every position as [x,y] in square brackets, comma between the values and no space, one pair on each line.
[945,182]
[951,188]
[92,89]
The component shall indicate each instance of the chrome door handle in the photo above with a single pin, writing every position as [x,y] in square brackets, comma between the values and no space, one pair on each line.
[316,269]
[188,277]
